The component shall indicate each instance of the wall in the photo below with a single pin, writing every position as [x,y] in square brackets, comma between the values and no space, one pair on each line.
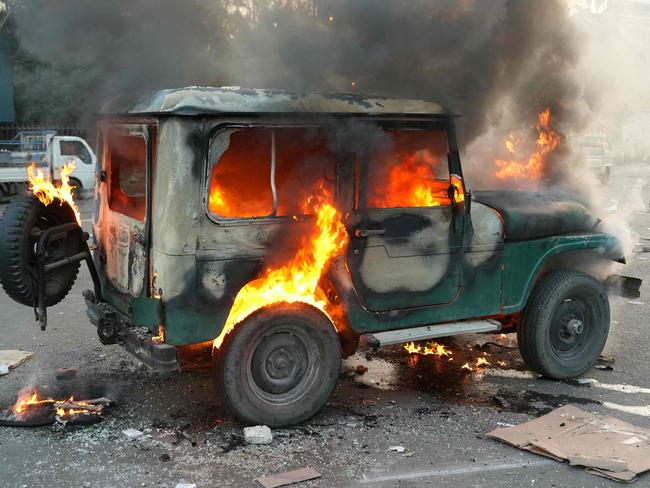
[6,81]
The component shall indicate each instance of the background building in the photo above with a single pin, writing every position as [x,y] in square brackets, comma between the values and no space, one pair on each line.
[6,78]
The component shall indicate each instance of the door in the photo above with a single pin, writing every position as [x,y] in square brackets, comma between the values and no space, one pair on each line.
[76,150]
[405,238]
[127,163]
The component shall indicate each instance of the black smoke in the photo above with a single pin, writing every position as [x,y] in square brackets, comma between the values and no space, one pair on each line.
[497,62]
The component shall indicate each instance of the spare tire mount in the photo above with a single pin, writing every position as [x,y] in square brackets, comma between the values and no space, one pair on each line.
[40,306]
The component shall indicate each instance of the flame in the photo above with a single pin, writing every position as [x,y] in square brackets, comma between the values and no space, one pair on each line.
[30,398]
[531,168]
[466,367]
[26,401]
[411,183]
[296,280]
[47,192]
[432,349]
[482,362]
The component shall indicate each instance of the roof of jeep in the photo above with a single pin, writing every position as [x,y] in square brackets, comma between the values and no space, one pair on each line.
[227,100]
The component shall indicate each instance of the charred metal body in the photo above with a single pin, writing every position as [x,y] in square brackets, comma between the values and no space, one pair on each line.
[171,252]
[404,266]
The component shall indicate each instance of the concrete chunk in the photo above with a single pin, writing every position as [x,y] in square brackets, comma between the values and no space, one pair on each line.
[260,434]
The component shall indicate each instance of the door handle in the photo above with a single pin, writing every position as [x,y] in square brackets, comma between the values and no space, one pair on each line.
[369,232]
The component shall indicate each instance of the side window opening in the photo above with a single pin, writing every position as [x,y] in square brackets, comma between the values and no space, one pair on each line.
[408,168]
[263,172]
[126,153]
[76,148]
[240,180]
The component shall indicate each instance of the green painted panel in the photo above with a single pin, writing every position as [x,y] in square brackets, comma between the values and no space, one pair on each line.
[145,312]
[522,262]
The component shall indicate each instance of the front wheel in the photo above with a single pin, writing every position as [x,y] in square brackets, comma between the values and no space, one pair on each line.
[565,325]
[280,365]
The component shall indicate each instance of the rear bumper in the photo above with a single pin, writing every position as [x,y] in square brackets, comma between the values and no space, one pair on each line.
[113,328]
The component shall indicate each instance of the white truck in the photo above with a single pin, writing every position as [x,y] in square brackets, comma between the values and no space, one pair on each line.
[597,152]
[50,153]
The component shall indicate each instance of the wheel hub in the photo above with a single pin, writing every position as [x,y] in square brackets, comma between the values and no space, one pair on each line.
[575,327]
[569,328]
[279,363]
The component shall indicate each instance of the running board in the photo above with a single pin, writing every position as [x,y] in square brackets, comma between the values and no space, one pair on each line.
[378,339]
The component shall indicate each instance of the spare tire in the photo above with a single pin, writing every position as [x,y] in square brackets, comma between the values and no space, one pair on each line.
[19,227]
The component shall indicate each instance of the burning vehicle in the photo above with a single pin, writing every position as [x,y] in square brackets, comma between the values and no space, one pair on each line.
[283,229]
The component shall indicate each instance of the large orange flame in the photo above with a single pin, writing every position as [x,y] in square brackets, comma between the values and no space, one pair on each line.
[47,192]
[532,167]
[297,280]
[411,183]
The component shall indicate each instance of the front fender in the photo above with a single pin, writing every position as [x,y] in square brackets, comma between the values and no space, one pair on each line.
[523,261]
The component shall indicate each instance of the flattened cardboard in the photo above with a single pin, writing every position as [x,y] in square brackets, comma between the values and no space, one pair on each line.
[14,357]
[606,446]
[288,478]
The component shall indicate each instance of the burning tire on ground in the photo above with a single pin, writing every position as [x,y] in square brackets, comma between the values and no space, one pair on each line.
[20,225]
[565,325]
[280,365]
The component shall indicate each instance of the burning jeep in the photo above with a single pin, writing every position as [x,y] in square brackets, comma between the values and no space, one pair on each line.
[285,228]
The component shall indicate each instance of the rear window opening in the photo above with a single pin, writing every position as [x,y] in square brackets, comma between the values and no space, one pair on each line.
[263,172]
[127,170]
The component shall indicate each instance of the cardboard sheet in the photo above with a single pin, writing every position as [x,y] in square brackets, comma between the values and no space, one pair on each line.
[605,445]
[13,358]
[290,477]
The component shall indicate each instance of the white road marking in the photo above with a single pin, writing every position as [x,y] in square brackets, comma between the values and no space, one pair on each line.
[459,470]
[529,375]
[622,388]
[511,373]
[642,410]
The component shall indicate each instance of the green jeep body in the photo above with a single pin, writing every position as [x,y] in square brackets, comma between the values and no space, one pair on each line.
[167,269]
[482,262]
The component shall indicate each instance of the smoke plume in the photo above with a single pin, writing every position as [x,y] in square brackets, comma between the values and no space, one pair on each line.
[488,61]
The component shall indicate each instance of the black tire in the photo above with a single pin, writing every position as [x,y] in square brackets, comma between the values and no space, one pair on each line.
[565,325]
[22,217]
[78,191]
[279,366]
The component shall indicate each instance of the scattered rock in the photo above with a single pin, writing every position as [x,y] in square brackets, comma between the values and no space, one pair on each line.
[502,402]
[185,485]
[231,441]
[133,433]
[4,369]
[397,448]
[361,369]
[259,434]
[605,367]
[65,373]
[164,457]
[159,424]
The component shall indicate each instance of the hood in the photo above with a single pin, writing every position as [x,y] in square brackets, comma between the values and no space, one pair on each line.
[532,215]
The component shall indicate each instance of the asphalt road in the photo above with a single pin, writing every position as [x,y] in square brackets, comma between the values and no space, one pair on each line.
[438,413]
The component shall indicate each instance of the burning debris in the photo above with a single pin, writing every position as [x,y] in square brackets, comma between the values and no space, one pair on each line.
[437,350]
[32,409]
[427,349]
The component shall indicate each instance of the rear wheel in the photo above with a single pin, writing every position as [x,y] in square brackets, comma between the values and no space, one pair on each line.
[78,191]
[23,219]
[280,365]
[565,325]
